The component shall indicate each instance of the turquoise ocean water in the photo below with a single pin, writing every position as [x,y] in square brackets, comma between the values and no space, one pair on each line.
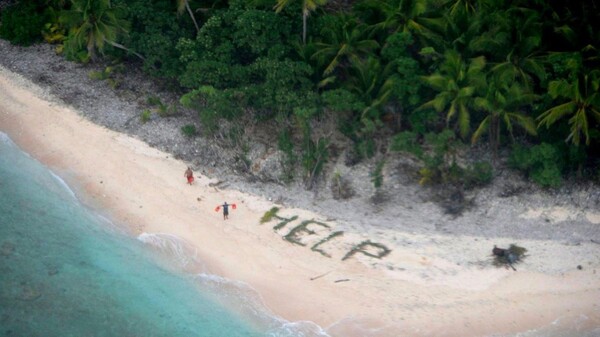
[67,271]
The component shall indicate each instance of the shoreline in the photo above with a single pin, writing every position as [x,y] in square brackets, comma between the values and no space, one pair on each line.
[413,291]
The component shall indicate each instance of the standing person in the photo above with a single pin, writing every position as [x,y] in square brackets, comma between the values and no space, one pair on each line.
[189,174]
[225,211]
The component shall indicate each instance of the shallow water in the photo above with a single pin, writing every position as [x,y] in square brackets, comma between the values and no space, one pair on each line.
[66,271]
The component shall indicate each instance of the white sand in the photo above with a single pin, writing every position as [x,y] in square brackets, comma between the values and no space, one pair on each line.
[427,286]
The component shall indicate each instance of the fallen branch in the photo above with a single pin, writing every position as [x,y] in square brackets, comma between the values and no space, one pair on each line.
[217,183]
[319,276]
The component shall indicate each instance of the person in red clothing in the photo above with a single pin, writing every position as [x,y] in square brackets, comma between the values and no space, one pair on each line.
[189,174]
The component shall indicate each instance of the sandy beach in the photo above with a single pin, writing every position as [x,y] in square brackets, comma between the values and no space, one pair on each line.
[303,267]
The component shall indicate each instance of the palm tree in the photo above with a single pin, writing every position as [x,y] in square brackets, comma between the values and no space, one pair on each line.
[183,5]
[373,83]
[582,95]
[345,42]
[502,103]
[94,23]
[457,84]
[460,33]
[464,8]
[405,16]
[576,25]
[520,48]
[307,7]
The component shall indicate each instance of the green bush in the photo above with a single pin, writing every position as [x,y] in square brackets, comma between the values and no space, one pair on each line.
[407,84]
[478,174]
[314,156]
[22,23]
[439,162]
[548,176]
[212,104]
[153,100]
[145,116]
[363,142]
[439,165]
[74,52]
[342,101]
[543,163]
[162,110]
[422,120]
[167,110]
[377,174]
[341,187]
[100,75]
[407,142]
[189,130]
[107,75]
[245,55]
[286,145]
[154,32]
[366,147]
[54,33]
[114,83]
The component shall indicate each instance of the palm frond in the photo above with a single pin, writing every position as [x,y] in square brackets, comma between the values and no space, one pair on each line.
[466,92]
[595,113]
[436,81]
[481,130]
[525,122]
[279,6]
[451,112]
[566,31]
[550,116]
[560,88]
[483,104]
[476,66]
[579,124]
[464,121]
[440,101]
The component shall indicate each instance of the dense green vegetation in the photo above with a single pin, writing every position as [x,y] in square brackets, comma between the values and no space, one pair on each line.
[425,77]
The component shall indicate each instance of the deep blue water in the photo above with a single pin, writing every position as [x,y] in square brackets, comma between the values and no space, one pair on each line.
[66,271]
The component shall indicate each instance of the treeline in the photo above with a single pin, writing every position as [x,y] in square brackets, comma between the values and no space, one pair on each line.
[419,76]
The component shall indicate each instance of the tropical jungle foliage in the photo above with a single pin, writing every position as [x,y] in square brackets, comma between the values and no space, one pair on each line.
[397,75]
